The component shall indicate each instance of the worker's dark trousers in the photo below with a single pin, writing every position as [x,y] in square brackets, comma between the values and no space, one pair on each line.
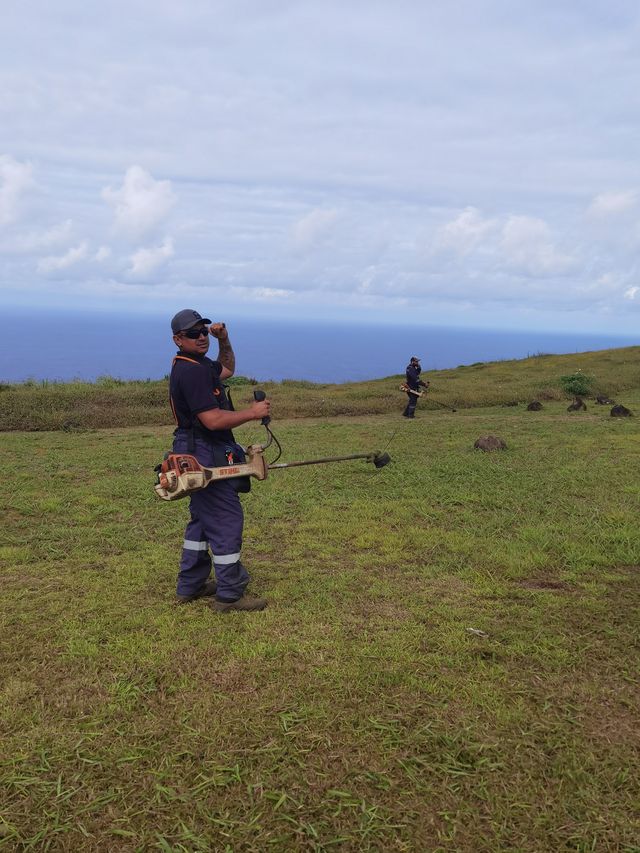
[409,412]
[216,526]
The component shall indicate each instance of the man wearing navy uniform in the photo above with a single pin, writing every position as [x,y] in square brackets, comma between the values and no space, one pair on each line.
[414,383]
[205,419]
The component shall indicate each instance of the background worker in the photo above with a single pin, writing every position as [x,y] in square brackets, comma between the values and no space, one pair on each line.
[205,419]
[414,383]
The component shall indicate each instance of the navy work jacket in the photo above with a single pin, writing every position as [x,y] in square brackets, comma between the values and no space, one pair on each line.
[194,387]
[413,376]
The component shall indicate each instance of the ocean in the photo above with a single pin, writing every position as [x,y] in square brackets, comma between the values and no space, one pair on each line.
[63,347]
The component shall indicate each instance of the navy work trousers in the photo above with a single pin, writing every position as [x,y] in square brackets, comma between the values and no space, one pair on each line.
[215,529]
[410,411]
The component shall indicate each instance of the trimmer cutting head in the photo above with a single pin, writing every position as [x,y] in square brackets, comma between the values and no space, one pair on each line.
[381,459]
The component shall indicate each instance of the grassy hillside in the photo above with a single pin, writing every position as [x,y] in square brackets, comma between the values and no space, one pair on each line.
[448,662]
[112,403]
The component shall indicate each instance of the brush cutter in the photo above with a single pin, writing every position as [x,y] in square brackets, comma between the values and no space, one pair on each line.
[404,387]
[179,474]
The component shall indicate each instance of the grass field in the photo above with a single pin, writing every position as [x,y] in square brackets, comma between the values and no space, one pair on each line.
[448,662]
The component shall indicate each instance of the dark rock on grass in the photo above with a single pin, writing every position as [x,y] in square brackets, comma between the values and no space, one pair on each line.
[534,406]
[577,405]
[603,400]
[489,443]
[621,411]
[511,403]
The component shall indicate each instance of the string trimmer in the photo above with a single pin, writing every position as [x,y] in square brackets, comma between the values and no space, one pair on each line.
[404,387]
[181,473]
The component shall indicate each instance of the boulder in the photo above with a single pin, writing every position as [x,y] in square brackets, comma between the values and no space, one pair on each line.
[489,443]
[603,400]
[534,406]
[620,411]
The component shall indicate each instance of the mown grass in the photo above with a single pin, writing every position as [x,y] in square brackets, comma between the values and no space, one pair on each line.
[113,403]
[448,661]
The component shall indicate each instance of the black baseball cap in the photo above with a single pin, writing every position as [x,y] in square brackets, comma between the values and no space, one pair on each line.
[186,319]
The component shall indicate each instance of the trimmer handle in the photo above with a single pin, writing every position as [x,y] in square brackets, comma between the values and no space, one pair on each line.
[259,396]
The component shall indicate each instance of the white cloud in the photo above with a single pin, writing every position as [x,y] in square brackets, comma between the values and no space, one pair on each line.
[145,261]
[476,257]
[140,204]
[15,179]
[63,262]
[611,204]
[35,241]
[465,232]
[271,293]
[262,294]
[631,292]
[103,253]
[527,246]
[313,228]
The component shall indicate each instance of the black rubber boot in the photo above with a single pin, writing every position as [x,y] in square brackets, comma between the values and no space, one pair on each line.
[208,589]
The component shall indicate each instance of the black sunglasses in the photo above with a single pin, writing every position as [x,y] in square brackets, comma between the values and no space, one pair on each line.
[194,334]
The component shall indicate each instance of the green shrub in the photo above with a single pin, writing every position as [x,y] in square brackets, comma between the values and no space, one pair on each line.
[240,380]
[577,383]
[110,381]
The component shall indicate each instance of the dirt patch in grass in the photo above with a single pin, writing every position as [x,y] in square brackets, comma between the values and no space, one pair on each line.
[603,693]
[615,721]
[546,583]
[378,610]
[230,678]
[630,570]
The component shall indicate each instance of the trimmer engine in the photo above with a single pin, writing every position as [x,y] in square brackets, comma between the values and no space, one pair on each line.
[179,474]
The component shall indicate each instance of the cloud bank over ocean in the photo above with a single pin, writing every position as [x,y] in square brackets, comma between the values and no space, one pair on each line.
[469,163]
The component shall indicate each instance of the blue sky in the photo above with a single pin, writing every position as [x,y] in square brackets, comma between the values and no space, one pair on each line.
[471,163]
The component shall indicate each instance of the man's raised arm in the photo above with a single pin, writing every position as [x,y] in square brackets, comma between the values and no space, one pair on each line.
[226,355]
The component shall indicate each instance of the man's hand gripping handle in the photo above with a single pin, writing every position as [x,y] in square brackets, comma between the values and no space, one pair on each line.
[259,396]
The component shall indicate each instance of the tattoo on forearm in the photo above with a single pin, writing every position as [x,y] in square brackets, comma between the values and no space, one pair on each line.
[226,356]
